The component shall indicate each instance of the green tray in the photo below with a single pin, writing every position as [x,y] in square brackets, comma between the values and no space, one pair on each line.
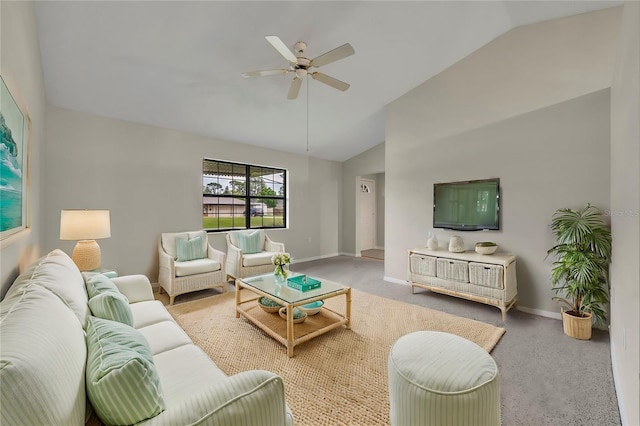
[303,283]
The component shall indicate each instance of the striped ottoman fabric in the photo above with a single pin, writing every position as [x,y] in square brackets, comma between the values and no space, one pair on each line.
[441,379]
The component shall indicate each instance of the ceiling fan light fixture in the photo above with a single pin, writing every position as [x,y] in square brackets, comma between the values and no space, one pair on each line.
[301,65]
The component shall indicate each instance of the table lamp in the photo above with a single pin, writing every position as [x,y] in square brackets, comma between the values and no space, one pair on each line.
[86,226]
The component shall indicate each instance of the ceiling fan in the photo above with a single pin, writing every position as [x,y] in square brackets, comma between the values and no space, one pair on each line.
[301,65]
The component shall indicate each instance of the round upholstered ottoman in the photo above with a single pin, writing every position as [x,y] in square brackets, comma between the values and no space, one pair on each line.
[441,379]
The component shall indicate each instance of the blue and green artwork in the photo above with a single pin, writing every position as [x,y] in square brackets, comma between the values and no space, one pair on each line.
[12,165]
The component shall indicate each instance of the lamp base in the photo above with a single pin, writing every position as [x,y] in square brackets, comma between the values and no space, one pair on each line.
[86,255]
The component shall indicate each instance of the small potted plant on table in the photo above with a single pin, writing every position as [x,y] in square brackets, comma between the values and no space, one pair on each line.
[580,271]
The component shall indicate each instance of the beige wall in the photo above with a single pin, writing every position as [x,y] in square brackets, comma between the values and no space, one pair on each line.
[21,69]
[625,219]
[531,108]
[151,180]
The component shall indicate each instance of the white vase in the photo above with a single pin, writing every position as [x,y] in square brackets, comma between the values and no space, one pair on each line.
[432,242]
[456,245]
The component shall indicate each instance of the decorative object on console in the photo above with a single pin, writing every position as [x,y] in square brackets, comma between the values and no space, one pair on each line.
[86,226]
[486,247]
[281,262]
[456,245]
[579,273]
[432,242]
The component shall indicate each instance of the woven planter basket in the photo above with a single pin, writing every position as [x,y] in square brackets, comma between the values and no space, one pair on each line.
[576,327]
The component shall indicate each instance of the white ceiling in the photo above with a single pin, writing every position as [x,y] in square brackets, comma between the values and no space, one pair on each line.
[177,64]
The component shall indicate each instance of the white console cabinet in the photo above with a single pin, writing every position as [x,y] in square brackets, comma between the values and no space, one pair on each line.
[489,279]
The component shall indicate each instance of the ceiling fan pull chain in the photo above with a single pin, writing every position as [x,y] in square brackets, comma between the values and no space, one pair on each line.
[307,115]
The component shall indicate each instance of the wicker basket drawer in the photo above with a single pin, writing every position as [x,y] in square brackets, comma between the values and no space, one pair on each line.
[455,270]
[486,275]
[423,265]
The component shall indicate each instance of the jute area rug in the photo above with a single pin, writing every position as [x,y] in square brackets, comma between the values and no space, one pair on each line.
[339,378]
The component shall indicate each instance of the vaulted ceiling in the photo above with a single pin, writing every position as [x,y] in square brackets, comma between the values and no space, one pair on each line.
[178,64]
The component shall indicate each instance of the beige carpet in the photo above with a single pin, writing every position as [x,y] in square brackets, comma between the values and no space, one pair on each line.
[339,378]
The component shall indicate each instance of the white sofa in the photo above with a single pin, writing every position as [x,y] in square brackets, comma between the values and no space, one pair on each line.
[44,357]
[241,264]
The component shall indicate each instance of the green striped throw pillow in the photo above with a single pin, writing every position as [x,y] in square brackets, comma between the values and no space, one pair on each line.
[189,249]
[112,306]
[97,283]
[122,382]
[250,242]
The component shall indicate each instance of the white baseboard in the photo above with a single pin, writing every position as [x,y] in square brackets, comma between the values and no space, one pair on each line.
[309,259]
[394,280]
[347,254]
[539,312]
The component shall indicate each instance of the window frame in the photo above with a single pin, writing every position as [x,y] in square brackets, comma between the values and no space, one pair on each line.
[249,199]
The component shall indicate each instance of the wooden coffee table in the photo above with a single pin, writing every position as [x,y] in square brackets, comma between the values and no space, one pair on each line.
[286,332]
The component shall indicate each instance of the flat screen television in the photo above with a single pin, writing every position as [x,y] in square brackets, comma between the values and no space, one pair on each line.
[467,206]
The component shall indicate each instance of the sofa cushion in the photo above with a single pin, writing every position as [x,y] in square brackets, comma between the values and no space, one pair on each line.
[56,272]
[97,283]
[250,242]
[180,379]
[42,359]
[121,378]
[112,306]
[169,241]
[257,259]
[189,249]
[149,312]
[198,266]
[164,336]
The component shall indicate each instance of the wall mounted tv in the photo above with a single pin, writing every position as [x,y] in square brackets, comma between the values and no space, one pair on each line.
[467,206]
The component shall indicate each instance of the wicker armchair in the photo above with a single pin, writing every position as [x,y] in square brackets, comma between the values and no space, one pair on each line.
[179,277]
[240,265]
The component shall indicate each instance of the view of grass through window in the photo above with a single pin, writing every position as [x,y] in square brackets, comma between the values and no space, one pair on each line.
[242,196]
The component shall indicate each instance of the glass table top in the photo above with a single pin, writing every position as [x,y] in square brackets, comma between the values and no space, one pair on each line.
[269,285]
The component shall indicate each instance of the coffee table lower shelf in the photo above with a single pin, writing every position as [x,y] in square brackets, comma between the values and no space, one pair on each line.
[289,334]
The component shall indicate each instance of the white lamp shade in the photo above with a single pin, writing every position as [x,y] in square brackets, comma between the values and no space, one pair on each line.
[85,224]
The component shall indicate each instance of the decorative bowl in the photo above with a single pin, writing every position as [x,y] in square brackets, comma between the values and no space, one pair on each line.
[312,308]
[486,247]
[298,315]
[269,305]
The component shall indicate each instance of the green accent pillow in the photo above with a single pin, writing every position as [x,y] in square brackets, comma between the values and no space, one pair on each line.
[97,283]
[250,242]
[189,249]
[112,306]
[121,378]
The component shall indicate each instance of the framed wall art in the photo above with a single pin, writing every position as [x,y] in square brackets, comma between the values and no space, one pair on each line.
[15,143]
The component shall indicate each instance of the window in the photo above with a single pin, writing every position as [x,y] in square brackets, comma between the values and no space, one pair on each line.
[242,196]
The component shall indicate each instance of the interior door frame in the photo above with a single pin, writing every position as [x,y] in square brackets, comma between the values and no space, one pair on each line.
[358,231]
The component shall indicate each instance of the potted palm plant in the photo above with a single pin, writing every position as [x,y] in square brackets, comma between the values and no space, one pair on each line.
[580,270]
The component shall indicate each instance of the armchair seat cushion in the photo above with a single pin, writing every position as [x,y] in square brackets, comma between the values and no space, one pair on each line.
[257,259]
[198,266]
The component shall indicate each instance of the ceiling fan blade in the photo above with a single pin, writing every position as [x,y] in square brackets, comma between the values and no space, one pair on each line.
[294,88]
[333,55]
[333,82]
[282,48]
[262,73]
